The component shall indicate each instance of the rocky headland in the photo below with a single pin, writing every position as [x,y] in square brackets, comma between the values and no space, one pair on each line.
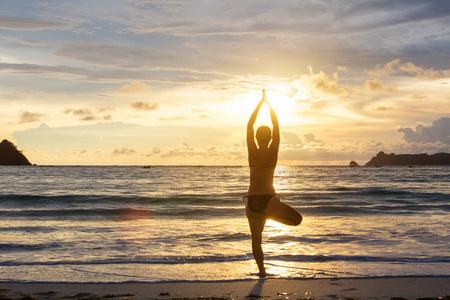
[9,155]
[383,159]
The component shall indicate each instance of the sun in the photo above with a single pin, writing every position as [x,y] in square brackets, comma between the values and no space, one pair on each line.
[283,105]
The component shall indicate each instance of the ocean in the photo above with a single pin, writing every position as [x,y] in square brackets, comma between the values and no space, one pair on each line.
[188,223]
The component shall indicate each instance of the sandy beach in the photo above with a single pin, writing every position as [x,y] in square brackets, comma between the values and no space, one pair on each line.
[356,288]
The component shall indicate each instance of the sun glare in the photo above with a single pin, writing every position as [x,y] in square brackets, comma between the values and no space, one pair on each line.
[283,105]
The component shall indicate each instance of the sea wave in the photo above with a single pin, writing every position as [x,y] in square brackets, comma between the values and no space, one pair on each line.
[25,199]
[121,204]
[235,210]
[28,247]
[359,258]
[117,214]
[235,258]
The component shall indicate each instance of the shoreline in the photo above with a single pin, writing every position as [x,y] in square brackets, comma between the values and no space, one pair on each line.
[410,287]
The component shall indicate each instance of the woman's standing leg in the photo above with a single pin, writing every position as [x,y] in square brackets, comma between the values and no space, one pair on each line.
[256,222]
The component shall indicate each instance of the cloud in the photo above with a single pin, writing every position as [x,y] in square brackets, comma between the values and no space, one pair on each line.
[173,119]
[106,136]
[268,18]
[418,97]
[29,117]
[26,24]
[140,105]
[16,40]
[111,54]
[310,138]
[291,138]
[439,131]
[104,109]
[395,67]
[201,112]
[134,87]
[111,74]
[86,114]
[83,112]
[421,147]
[375,85]
[89,118]
[124,151]
[53,71]
[212,155]
[220,49]
[382,108]
[236,25]
[199,60]
[156,151]
[373,15]
[317,85]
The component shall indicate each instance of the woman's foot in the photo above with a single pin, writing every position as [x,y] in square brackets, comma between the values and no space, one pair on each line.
[262,274]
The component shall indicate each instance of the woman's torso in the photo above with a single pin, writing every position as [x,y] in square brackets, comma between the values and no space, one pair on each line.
[262,167]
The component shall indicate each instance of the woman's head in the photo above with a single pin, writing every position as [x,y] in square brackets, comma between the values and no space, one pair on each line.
[263,136]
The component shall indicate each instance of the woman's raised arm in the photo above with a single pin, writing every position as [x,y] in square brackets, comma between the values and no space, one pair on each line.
[276,128]
[250,131]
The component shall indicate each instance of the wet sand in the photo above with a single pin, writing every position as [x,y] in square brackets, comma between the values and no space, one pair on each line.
[356,288]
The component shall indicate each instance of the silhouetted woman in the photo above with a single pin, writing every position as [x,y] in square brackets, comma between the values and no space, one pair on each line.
[262,201]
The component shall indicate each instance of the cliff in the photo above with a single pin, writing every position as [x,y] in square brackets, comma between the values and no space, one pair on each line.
[383,159]
[9,155]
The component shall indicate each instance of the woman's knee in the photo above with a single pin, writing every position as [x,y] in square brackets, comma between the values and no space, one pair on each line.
[294,219]
[298,220]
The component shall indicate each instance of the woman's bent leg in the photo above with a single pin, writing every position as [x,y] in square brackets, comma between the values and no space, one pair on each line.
[283,213]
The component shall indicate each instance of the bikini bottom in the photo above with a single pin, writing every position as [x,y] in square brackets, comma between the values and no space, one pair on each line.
[258,203]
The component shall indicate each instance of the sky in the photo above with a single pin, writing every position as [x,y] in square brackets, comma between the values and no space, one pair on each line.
[141,82]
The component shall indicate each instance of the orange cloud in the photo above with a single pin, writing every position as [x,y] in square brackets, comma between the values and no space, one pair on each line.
[376,85]
[317,85]
[140,105]
[395,67]
[124,151]
[28,117]
[134,87]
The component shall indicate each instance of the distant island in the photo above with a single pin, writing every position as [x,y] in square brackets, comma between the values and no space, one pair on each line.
[9,155]
[383,159]
[353,164]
